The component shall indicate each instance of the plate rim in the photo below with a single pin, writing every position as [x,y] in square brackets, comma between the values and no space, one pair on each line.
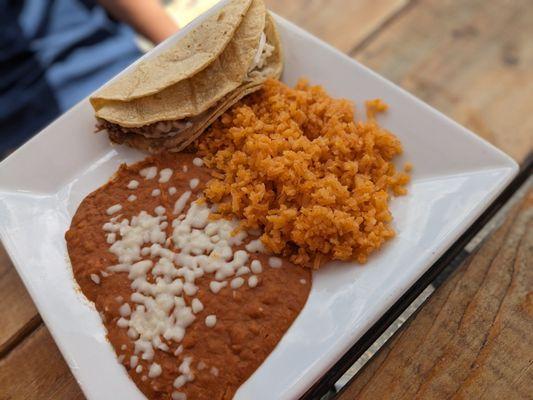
[505,163]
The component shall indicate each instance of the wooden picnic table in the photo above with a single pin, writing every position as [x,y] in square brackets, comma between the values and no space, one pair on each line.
[473,337]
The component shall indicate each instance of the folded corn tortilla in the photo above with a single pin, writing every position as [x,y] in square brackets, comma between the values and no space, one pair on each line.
[194,52]
[192,96]
[173,117]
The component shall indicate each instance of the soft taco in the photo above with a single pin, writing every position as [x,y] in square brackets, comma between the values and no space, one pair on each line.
[169,100]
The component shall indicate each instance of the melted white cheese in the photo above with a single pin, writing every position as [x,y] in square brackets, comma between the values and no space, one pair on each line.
[114,209]
[198,162]
[181,202]
[148,173]
[256,267]
[194,182]
[164,175]
[274,262]
[210,321]
[163,281]
[133,184]
[155,370]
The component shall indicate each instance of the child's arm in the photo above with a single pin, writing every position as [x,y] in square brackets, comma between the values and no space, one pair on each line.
[147,17]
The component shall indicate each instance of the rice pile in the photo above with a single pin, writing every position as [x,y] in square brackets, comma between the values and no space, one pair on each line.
[294,163]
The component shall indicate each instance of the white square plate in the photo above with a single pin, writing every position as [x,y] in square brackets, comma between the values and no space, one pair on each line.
[456,176]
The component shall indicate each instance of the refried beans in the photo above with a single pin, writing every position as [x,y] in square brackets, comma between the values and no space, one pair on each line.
[207,344]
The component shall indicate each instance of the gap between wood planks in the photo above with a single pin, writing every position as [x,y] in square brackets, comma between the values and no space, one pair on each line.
[37,370]
[342,23]
[20,335]
[473,337]
[385,23]
[474,245]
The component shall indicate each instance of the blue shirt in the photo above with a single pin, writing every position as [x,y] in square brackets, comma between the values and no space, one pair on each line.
[53,53]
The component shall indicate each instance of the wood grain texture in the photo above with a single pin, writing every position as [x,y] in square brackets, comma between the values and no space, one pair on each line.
[473,338]
[472,60]
[19,316]
[342,23]
[36,370]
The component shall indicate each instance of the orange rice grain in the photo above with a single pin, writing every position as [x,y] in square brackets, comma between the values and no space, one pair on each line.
[295,163]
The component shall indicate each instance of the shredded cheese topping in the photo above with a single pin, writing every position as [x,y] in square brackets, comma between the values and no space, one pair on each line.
[163,269]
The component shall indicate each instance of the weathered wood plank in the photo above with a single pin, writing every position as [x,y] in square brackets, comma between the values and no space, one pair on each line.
[342,23]
[19,315]
[473,338]
[473,60]
[36,370]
